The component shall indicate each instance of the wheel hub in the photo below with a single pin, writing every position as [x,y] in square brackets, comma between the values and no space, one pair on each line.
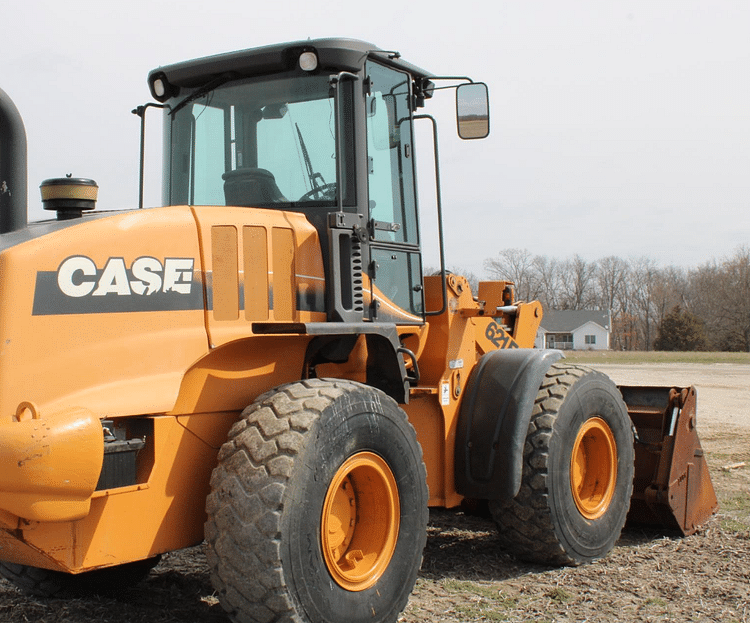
[593,468]
[360,521]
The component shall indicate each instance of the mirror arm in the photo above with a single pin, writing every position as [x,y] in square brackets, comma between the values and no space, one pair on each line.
[453,79]
[140,111]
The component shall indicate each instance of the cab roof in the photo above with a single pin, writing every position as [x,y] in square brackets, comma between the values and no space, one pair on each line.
[333,55]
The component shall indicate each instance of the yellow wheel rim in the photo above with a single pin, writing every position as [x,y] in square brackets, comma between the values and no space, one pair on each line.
[360,521]
[593,468]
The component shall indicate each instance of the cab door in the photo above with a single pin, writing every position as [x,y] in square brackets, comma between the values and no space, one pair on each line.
[395,267]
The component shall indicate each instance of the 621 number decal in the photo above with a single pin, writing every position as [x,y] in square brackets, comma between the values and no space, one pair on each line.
[495,334]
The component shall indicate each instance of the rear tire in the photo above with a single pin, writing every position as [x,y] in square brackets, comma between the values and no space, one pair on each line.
[47,583]
[577,472]
[318,508]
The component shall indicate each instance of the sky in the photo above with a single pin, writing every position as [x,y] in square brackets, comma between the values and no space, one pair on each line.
[617,127]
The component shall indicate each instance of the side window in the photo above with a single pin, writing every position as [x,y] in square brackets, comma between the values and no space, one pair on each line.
[197,156]
[389,154]
[209,155]
[397,274]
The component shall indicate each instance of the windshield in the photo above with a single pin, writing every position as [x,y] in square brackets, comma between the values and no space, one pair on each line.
[261,142]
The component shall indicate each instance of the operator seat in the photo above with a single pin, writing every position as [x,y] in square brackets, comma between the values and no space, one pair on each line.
[249,187]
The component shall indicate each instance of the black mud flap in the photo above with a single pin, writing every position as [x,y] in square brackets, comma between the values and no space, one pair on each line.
[494,419]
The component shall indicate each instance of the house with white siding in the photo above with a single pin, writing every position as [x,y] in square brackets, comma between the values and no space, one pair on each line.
[575,329]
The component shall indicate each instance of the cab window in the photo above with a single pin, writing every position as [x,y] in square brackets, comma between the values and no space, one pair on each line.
[389,155]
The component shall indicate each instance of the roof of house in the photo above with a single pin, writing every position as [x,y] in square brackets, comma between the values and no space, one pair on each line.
[568,320]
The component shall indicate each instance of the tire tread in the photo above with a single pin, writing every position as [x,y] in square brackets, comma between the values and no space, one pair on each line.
[47,583]
[525,524]
[244,521]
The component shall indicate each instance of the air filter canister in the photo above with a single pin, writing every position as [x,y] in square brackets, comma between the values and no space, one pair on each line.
[69,196]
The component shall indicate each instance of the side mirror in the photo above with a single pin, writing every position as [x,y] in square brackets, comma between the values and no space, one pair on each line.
[473,110]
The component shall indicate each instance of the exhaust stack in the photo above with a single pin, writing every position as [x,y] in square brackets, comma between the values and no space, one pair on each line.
[13,173]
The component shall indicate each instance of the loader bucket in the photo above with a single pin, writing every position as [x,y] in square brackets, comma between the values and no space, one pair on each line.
[672,486]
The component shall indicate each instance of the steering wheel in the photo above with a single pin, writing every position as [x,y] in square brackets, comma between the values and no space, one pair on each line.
[326,192]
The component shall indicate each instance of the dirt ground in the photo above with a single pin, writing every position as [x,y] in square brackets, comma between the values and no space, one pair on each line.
[650,576]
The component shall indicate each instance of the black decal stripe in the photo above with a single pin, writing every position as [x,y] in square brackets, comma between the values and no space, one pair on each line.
[50,301]
[311,300]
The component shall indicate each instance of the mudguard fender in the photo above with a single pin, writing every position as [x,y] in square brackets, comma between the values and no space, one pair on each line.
[494,419]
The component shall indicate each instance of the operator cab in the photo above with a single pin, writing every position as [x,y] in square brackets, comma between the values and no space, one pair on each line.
[321,127]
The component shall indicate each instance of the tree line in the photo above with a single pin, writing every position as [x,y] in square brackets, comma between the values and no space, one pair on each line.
[672,308]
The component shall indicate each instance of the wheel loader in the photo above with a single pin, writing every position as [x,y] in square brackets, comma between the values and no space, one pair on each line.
[261,364]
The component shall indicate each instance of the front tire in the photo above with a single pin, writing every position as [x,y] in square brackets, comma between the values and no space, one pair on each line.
[577,473]
[46,583]
[318,509]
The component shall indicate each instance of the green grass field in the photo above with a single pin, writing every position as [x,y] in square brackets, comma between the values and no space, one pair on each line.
[625,357]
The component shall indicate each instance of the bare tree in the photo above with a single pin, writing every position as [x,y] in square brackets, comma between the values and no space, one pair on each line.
[732,294]
[643,294]
[612,274]
[703,302]
[611,279]
[638,293]
[577,283]
[514,265]
[670,288]
[547,278]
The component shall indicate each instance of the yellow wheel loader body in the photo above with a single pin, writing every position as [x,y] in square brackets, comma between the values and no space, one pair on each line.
[261,363]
